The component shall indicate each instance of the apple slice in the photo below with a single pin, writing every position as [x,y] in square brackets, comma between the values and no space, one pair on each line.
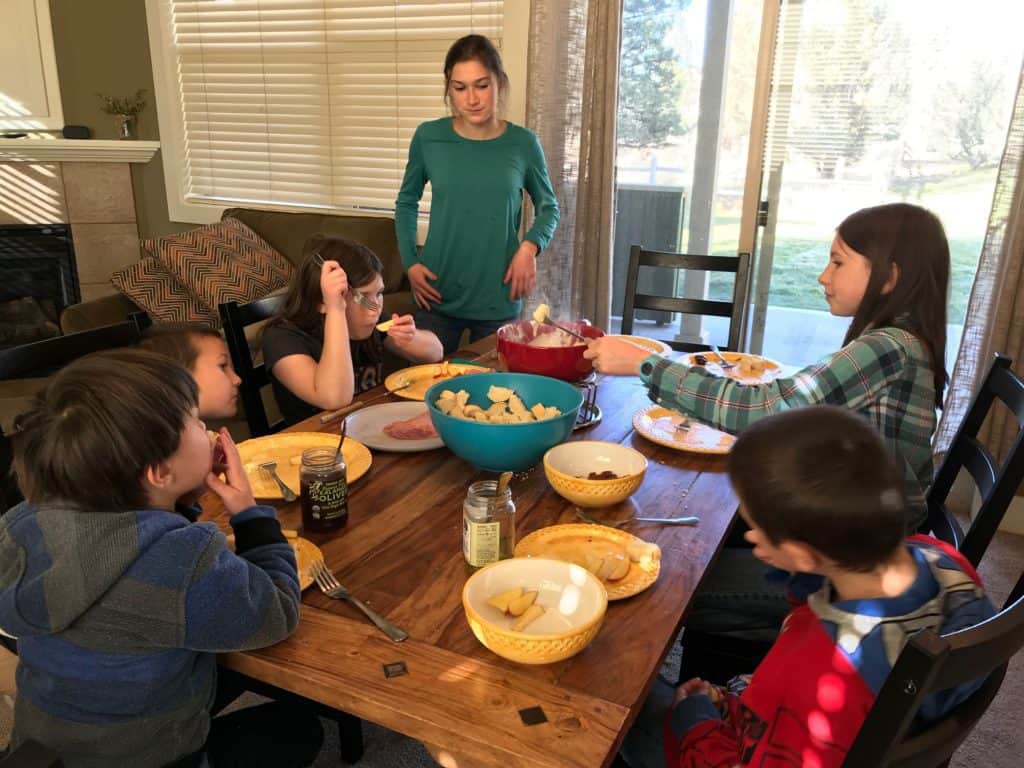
[502,601]
[519,606]
[531,614]
[615,566]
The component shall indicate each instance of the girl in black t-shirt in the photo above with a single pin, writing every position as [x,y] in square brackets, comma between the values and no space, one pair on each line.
[324,346]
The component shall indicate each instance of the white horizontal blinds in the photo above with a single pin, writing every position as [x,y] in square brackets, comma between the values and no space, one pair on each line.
[312,103]
[840,81]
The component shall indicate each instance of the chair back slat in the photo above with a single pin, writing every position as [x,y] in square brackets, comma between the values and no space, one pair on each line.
[975,458]
[43,358]
[235,318]
[683,306]
[735,310]
[1007,387]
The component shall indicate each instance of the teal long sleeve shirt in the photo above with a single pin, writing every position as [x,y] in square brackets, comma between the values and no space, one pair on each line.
[475,212]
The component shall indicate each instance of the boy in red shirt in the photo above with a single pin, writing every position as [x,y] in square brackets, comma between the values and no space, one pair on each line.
[822,496]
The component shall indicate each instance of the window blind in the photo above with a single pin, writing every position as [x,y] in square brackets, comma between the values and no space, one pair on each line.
[311,103]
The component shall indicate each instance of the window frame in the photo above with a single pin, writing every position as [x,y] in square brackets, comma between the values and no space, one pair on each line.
[516,27]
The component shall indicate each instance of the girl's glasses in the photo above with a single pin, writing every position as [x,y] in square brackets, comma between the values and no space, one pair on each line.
[360,298]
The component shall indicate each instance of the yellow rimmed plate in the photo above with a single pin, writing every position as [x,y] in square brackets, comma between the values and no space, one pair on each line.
[574,541]
[306,553]
[423,377]
[749,369]
[656,346]
[659,424]
[286,449]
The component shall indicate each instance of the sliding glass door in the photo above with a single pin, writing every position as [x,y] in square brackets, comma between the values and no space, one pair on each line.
[865,102]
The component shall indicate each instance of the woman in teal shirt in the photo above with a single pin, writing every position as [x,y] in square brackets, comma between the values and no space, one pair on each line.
[473,271]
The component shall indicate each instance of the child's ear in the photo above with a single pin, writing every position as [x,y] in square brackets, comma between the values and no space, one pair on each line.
[804,558]
[894,277]
[158,476]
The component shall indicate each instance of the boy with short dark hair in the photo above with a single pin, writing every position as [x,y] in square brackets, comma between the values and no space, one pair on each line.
[118,602]
[202,350]
[821,495]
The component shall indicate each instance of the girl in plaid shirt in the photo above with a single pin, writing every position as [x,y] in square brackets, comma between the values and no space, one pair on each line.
[888,270]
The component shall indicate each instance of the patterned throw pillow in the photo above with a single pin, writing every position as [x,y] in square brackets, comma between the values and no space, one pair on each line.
[157,291]
[225,261]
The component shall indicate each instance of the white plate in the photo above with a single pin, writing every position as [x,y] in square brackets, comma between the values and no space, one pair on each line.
[367,426]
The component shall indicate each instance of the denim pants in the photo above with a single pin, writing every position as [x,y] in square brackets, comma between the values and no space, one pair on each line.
[644,744]
[737,599]
[449,329]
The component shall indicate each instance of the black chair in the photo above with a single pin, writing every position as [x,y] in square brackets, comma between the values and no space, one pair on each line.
[235,318]
[891,737]
[996,483]
[30,754]
[44,358]
[734,310]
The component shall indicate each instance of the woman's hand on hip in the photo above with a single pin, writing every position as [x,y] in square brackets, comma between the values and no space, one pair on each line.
[522,271]
[424,293]
[333,285]
[616,356]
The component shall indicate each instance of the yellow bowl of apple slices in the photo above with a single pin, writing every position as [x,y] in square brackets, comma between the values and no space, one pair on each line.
[534,610]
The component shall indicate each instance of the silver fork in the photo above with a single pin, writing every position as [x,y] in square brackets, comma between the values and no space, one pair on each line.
[270,467]
[721,358]
[331,587]
[370,304]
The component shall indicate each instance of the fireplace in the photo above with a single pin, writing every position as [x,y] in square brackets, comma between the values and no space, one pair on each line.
[38,279]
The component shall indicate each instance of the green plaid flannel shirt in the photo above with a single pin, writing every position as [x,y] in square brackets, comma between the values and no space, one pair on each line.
[885,374]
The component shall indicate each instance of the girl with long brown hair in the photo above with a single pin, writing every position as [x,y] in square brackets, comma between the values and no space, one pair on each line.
[324,346]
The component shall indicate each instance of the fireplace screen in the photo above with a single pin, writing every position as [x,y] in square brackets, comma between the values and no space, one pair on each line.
[37,280]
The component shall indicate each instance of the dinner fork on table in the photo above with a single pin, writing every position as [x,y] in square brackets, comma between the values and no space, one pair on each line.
[331,587]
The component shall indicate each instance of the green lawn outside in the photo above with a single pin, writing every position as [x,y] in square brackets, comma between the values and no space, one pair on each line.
[799,261]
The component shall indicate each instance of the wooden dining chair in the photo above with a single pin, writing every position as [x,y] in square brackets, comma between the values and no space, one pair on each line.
[996,482]
[735,309]
[892,736]
[235,318]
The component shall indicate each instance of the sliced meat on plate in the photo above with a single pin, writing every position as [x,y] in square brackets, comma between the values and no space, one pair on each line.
[417,428]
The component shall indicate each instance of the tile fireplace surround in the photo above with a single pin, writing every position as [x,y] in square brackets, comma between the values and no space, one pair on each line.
[86,184]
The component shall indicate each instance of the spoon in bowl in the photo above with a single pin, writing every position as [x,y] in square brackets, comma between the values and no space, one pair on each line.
[543,315]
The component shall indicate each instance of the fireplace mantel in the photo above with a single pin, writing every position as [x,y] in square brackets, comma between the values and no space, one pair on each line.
[30,150]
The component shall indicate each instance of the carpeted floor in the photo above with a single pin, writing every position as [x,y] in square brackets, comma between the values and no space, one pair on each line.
[997,741]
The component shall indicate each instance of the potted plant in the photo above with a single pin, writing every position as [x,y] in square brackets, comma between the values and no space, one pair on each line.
[125,108]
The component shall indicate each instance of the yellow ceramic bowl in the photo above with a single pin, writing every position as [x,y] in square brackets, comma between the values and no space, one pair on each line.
[568,466]
[574,602]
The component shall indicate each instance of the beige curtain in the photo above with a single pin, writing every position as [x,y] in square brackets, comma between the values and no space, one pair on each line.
[571,102]
[995,312]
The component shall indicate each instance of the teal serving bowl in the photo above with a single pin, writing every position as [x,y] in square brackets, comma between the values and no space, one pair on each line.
[504,447]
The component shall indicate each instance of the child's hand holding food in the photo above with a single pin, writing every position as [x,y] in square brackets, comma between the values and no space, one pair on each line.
[402,330]
[234,489]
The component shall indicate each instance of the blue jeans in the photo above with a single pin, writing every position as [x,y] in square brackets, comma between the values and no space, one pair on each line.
[644,744]
[449,329]
[737,599]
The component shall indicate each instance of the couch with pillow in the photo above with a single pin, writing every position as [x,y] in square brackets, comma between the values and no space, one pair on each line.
[169,297]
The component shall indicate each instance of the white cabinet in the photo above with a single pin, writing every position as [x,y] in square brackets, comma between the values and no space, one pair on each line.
[29,91]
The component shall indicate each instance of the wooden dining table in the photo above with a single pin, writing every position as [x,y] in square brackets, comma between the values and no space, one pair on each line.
[401,552]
